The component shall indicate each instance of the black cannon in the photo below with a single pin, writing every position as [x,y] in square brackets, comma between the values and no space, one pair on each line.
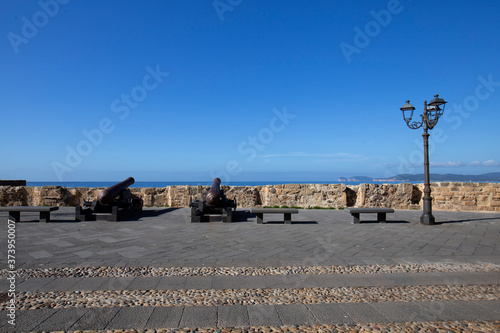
[214,206]
[112,204]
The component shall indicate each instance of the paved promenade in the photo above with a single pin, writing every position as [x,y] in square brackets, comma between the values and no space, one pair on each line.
[160,272]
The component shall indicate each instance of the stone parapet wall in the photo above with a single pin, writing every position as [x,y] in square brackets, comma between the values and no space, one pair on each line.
[465,196]
[446,196]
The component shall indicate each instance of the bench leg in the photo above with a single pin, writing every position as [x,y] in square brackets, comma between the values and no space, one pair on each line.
[381,217]
[288,218]
[355,218]
[260,218]
[44,217]
[114,214]
[15,216]
[227,215]
[195,218]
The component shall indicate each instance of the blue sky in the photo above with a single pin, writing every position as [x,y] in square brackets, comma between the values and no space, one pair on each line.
[245,90]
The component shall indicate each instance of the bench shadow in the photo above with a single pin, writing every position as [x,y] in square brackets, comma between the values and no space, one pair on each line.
[468,220]
[149,213]
[387,222]
[132,218]
[31,221]
[58,219]
[243,216]
[246,216]
[293,222]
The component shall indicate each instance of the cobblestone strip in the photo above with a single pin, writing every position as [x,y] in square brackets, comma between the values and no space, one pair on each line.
[210,297]
[249,271]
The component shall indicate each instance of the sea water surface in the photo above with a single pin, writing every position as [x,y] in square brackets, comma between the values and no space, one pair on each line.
[203,183]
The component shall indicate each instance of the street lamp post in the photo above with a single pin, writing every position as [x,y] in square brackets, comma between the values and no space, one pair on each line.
[429,119]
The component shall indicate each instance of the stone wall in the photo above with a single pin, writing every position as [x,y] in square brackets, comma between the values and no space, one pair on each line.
[446,196]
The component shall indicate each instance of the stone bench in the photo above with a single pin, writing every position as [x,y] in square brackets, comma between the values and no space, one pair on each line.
[286,211]
[15,212]
[381,213]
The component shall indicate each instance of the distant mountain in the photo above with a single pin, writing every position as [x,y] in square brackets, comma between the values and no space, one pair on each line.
[492,176]
[356,179]
[449,177]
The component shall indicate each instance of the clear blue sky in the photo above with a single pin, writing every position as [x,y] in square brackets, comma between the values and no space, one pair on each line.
[245,89]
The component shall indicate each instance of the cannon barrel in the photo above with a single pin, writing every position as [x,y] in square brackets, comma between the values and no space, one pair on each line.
[107,196]
[213,196]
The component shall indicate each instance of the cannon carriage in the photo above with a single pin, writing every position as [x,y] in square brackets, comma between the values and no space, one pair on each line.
[214,206]
[114,203]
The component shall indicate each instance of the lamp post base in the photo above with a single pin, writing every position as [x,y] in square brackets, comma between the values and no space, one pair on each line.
[427,219]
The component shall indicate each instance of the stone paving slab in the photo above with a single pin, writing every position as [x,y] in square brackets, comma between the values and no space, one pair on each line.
[199,316]
[263,315]
[232,316]
[295,314]
[60,320]
[144,283]
[320,237]
[481,278]
[460,310]
[95,283]
[333,239]
[363,313]
[407,312]
[26,321]
[238,282]
[34,284]
[173,282]
[259,282]
[198,282]
[330,314]
[117,283]
[493,306]
[94,318]
[162,317]
[126,318]
[60,284]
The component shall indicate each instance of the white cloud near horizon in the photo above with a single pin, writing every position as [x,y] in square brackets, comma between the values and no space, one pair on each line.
[304,154]
[456,164]
[488,163]
[447,164]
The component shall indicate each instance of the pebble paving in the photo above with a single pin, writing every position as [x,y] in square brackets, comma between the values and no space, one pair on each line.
[211,297]
[249,271]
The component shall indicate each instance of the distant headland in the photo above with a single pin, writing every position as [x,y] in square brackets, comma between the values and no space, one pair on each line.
[435,177]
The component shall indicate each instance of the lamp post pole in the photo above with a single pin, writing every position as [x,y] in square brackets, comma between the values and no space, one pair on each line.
[427,217]
[430,117]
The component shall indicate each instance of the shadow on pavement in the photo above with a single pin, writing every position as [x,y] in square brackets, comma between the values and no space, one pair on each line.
[468,220]
[246,216]
[387,222]
[70,217]
[149,213]
[243,216]
[293,222]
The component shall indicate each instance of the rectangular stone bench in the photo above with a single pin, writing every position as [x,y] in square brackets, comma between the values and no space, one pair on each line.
[286,211]
[381,213]
[15,212]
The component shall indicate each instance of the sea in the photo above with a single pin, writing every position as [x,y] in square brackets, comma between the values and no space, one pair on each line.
[205,183]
